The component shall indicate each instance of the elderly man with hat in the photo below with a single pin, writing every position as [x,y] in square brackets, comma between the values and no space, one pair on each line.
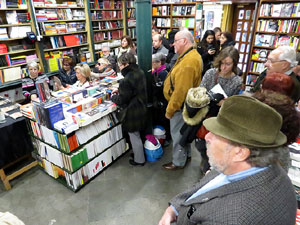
[246,185]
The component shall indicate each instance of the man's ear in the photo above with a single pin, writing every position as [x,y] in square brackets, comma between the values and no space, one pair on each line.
[242,153]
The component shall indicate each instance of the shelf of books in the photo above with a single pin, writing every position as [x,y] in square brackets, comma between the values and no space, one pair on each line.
[169,16]
[277,24]
[15,50]
[75,135]
[107,24]
[64,30]
[131,19]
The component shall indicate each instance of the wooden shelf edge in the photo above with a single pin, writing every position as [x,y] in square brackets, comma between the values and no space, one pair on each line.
[106,9]
[77,32]
[17,52]
[66,47]
[109,29]
[57,21]
[15,25]
[61,7]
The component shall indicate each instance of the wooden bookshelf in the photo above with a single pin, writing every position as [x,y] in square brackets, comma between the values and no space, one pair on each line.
[107,23]
[273,26]
[168,15]
[130,19]
[16,23]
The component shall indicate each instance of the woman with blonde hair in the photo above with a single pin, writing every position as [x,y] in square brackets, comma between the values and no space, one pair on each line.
[83,74]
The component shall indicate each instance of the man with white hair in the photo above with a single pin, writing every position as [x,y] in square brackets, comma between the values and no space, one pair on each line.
[281,60]
[111,58]
[185,74]
[158,47]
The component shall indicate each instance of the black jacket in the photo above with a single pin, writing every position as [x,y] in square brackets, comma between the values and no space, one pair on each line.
[133,96]
[67,79]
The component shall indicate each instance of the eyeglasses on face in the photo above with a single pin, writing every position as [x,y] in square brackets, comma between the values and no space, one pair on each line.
[274,61]
[177,40]
[66,65]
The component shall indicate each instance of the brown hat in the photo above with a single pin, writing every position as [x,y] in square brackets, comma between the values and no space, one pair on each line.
[247,121]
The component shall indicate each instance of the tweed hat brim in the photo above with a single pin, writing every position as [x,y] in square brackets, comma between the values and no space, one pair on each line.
[235,113]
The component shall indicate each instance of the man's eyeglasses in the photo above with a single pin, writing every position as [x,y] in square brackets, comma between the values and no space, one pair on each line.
[177,40]
[66,65]
[274,61]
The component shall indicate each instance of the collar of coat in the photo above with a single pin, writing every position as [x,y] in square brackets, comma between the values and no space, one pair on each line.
[250,182]
[196,99]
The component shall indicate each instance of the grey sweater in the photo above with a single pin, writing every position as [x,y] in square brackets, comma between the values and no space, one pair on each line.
[231,86]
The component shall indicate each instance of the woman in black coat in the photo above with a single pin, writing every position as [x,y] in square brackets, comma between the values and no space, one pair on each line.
[207,49]
[226,39]
[132,96]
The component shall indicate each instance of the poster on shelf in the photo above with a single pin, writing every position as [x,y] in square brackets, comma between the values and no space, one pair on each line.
[248,13]
[239,26]
[246,26]
[241,14]
[238,36]
[244,37]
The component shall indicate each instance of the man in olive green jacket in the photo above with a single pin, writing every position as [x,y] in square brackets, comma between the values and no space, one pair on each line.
[185,74]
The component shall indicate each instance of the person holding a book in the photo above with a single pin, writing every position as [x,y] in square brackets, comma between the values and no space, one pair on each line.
[28,83]
[103,69]
[224,72]
[207,49]
[127,46]
[83,74]
[67,74]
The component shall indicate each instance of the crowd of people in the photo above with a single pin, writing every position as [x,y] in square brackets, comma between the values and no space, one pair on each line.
[242,136]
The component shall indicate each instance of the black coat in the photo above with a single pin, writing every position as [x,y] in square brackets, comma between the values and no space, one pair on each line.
[206,58]
[133,96]
[67,79]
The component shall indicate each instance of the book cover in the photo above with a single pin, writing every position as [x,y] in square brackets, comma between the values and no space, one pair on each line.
[286,9]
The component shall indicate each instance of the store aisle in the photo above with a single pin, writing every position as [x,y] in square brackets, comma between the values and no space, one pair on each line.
[121,195]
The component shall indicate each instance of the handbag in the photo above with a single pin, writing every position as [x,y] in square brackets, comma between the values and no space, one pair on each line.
[121,113]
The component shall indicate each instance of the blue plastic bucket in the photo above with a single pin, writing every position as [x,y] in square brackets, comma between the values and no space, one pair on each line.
[153,155]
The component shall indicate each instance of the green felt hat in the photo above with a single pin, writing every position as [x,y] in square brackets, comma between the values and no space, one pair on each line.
[246,120]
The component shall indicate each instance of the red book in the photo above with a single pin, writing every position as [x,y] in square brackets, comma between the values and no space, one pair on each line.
[71,40]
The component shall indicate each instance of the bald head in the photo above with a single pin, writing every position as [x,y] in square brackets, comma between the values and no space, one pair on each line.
[186,34]
[183,41]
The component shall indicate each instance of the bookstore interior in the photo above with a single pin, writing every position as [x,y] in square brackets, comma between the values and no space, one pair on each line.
[71,129]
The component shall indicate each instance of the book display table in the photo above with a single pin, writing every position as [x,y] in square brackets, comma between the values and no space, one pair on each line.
[15,144]
[76,135]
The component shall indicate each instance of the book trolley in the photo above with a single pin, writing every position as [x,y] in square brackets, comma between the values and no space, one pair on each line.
[74,142]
